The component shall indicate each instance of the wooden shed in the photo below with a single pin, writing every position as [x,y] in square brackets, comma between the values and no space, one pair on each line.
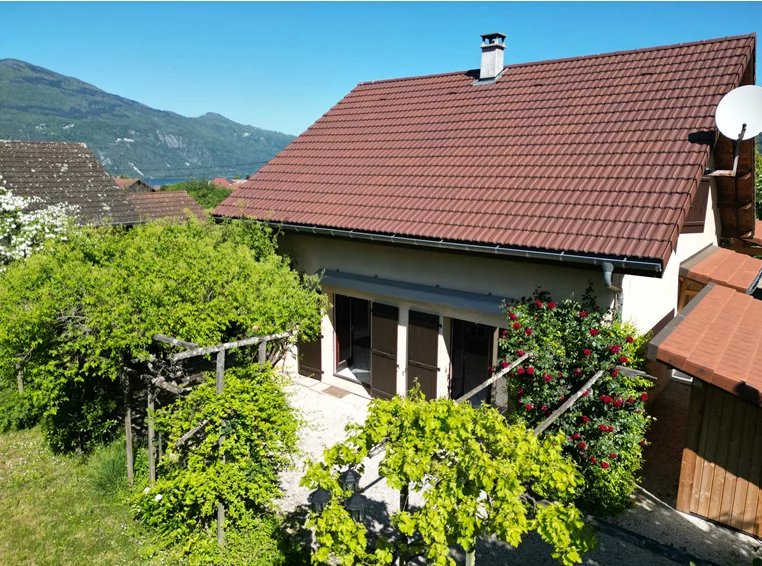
[717,339]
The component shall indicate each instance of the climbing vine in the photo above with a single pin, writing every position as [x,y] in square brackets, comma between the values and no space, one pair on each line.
[478,475]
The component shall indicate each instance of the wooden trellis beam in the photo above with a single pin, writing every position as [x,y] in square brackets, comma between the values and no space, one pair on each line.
[494,378]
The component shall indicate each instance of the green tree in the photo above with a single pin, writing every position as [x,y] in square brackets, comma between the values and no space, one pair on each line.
[204,193]
[73,314]
[758,181]
[479,476]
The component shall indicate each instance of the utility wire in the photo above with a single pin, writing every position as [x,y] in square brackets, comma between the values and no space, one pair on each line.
[190,170]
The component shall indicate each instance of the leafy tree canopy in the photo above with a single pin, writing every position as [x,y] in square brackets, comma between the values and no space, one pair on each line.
[204,193]
[73,314]
[478,474]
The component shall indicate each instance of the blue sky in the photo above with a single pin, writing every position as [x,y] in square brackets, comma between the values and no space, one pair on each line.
[282,65]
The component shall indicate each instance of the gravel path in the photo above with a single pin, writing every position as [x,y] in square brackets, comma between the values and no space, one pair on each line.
[651,533]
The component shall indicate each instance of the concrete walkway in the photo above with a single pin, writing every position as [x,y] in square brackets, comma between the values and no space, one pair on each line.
[651,533]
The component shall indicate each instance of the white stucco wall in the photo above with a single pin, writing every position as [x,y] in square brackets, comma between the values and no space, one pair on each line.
[647,300]
[477,274]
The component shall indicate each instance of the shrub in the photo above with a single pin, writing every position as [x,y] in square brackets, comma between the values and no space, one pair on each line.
[235,458]
[206,195]
[74,313]
[571,341]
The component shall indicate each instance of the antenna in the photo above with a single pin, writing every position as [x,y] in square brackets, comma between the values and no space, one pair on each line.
[739,118]
[739,113]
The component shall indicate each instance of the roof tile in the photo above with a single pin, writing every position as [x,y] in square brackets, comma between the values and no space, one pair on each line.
[527,161]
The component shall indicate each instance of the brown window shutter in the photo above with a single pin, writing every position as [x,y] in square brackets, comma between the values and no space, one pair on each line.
[694,223]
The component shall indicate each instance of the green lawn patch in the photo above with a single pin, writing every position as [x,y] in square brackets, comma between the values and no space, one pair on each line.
[58,511]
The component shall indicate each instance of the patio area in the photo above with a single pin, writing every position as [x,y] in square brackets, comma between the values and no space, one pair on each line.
[651,532]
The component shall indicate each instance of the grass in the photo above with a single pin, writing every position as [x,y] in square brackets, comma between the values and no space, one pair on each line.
[58,510]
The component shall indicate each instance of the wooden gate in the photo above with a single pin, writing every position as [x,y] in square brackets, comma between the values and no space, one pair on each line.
[383,346]
[721,472]
[310,360]
[422,337]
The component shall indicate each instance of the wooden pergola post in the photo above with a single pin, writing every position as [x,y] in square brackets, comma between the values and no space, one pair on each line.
[220,506]
[124,378]
[151,447]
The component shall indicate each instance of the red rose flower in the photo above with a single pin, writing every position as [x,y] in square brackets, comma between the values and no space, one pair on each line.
[529,406]
[504,363]
[606,399]
[615,349]
[605,465]
[513,316]
[520,390]
[577,372]
[594,332]
[582,314]
[521,371]
[623,359]
[585,393]
[614,372]
[520,353]
[530,370]
[593,459]
[613,455]
[587,351]
[618,403]
[644,396]
[528,331]
[543,408]
[631,400]
[582,445]
[603,428]
[575,436]
[629,339]
[585,419]
[551,305]
[610,428]
[547,377]
[504,333]
[516,325]
[538,303]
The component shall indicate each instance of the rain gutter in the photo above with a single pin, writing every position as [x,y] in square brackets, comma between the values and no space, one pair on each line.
[499,250]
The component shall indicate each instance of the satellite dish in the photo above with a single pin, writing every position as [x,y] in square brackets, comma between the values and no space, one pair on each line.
[739,113]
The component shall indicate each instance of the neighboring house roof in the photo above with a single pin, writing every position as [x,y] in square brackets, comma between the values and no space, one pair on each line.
[64,172]
[717,338]
[588,155]
[132,184]
[174,205]
[724,267]
[222,182]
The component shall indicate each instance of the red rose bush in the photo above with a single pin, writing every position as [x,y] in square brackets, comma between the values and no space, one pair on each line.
[605,428]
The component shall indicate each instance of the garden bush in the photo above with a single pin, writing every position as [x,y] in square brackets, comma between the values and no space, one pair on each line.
[235,458]
[604,430]
[76,312]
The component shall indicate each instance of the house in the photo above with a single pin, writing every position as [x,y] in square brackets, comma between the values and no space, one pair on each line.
[133,185]
[223,183]
[65,172]
[165,205]
[717,341]
[425,202]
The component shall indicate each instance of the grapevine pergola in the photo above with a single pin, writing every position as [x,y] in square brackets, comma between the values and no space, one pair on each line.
[165,372]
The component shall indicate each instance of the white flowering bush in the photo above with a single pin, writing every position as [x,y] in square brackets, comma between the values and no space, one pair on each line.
[24,225]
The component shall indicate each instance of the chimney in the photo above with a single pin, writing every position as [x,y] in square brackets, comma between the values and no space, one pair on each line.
[493,45]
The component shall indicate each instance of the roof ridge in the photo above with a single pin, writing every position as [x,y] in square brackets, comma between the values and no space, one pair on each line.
[575,58]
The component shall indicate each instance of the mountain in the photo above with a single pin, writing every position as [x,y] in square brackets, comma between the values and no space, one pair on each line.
[128,137]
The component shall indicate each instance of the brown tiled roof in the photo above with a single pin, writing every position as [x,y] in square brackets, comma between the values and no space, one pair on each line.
[724,267]
[589,155]
[222,182]
[123,183]
[64,172]
[173,205]
[717,338]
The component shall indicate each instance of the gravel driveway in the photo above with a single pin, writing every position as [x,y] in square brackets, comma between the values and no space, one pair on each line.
[651,533]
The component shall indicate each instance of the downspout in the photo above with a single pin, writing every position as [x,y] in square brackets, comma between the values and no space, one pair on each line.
[608,272]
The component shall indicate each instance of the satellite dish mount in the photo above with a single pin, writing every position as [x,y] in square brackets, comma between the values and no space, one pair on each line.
[739,118]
